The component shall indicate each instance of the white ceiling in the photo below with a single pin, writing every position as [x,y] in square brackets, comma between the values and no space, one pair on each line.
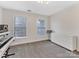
[43,9]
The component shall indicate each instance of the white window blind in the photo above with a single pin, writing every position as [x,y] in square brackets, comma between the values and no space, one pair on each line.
[41,27]
[20,26]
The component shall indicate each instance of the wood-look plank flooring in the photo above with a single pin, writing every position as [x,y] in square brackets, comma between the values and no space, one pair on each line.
[43,49]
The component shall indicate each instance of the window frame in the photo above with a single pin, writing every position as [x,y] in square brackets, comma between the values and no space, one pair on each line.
[39,35]
[14,18]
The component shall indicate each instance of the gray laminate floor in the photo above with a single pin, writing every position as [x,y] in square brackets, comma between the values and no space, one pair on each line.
[44,49]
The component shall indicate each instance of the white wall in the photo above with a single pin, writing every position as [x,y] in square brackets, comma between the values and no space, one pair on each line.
[0,15]
[66,26]
[32,36]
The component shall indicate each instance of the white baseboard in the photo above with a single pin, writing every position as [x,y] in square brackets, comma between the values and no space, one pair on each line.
[24,42]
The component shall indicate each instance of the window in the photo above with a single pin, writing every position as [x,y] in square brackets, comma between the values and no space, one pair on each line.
[19,26]
[41,27]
